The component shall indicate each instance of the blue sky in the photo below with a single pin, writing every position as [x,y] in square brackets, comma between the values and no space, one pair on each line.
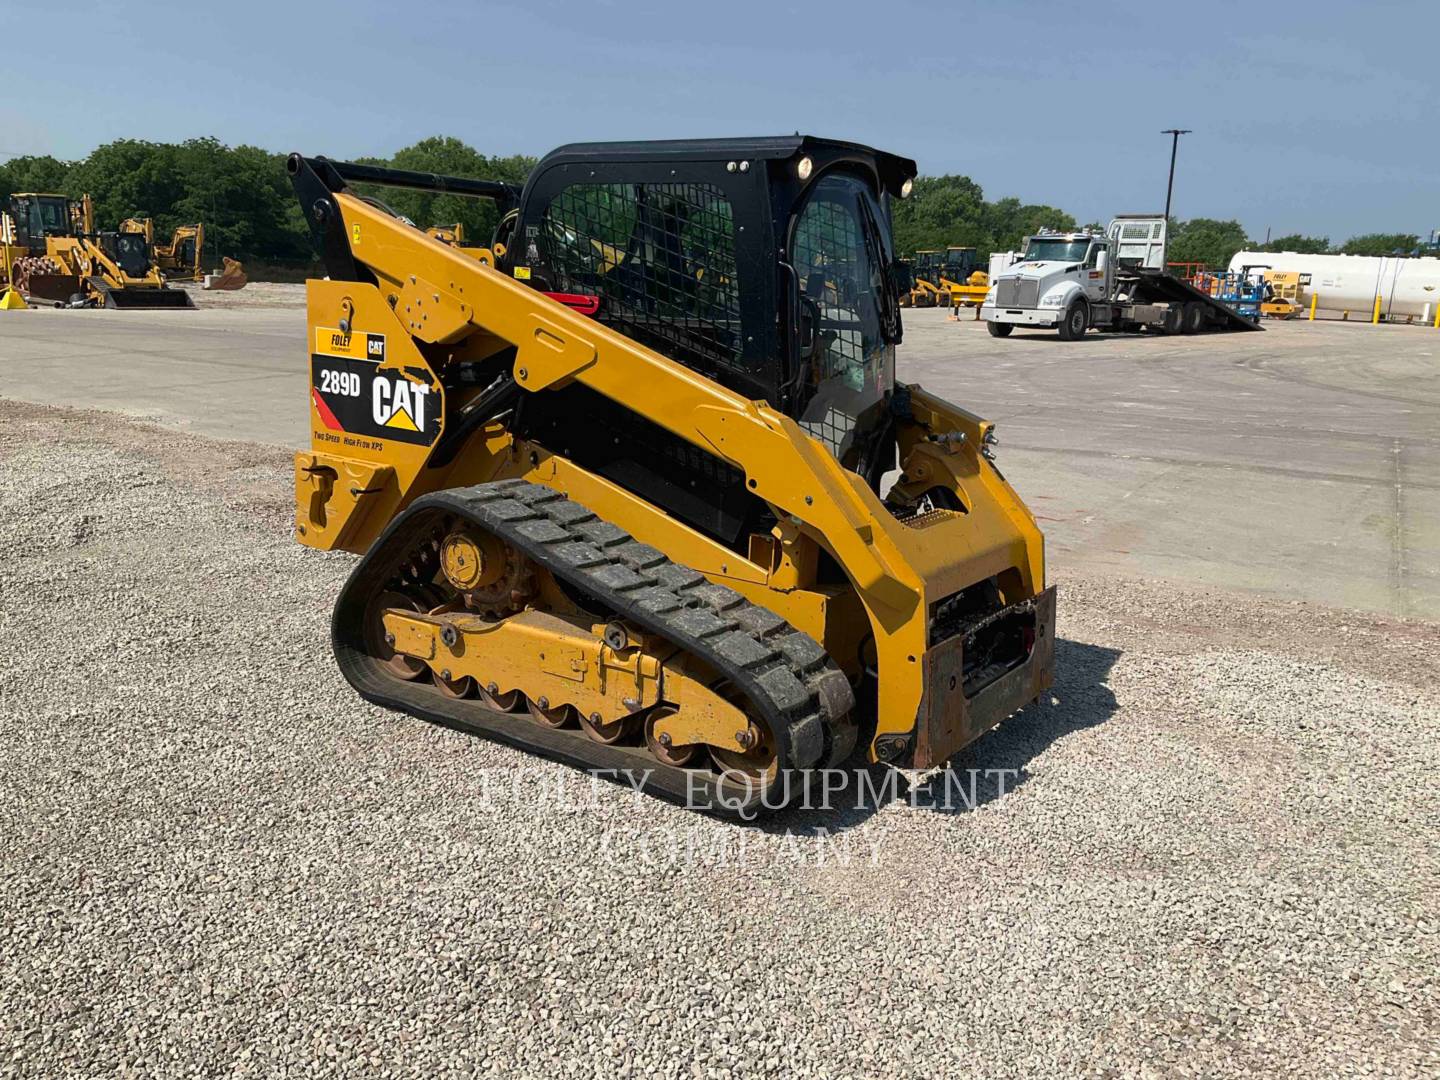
[1316,117]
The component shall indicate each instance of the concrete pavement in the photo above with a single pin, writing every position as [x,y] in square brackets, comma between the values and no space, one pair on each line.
[231,373]
[1303,461]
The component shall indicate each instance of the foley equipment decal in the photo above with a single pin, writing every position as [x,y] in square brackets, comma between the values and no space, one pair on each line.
[353,395]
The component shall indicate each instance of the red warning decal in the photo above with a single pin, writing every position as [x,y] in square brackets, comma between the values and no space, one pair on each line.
[326,416]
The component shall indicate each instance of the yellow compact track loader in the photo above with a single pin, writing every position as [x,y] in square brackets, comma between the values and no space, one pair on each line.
[622,497]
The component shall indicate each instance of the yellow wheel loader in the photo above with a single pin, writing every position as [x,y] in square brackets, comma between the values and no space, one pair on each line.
[923,284]
[635,516]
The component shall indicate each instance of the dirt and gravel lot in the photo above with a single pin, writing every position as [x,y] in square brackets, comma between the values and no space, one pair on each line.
[255,294]
[1214,850]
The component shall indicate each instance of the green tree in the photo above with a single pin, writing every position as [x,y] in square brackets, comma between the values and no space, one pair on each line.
[1305,245]
[1381,244]
[1205,240]
[40,174]
[127,178]
[449,156]
[1010,222]
[941,210]
[946,211]
[244,197]
[241,194]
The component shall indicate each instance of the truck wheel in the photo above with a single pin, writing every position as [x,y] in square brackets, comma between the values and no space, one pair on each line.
[1075,322]
[1192,319]
[999,329]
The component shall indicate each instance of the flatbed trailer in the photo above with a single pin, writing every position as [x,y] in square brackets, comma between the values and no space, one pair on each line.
[1159,300]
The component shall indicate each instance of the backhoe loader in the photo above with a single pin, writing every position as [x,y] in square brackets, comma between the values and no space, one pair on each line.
[622,496]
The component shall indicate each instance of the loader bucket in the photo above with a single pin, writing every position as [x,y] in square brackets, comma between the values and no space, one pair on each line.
[126,299]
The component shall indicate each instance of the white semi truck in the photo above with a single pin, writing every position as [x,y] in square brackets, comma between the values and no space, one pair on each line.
[1115,280]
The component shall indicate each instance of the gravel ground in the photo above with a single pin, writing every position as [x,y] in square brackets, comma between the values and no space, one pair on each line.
[1214,851]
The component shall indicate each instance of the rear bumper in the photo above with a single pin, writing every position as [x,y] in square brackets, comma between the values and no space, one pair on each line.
[949,720]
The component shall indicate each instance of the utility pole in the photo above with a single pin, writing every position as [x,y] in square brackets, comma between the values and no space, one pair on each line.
[1174,134]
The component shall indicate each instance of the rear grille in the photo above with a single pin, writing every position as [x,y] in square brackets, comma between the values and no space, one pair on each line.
[1017,292]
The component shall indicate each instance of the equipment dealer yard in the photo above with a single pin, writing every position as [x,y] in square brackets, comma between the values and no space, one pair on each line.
[1213,849]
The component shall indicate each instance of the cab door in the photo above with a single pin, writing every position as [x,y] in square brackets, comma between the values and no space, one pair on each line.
[1096,271]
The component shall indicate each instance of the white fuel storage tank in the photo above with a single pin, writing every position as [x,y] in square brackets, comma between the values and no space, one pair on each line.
[1406,286]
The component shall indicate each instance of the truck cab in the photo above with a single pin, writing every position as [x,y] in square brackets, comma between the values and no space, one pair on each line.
[1062,280]
[1112,280]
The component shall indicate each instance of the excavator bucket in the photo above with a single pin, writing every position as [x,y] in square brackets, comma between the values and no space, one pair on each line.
[232,277]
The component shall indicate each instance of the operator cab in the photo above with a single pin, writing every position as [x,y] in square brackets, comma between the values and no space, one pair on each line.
[39,216]
[927,266]
[129,252]
[960,263]
[765,264]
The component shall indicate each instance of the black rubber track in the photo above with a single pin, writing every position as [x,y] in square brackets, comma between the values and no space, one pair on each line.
[785,675]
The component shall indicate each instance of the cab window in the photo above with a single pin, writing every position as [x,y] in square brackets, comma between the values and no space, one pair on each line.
[837,253]
[48,217]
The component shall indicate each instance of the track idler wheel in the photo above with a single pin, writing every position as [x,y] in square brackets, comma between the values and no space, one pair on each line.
[380,645]
[755,764]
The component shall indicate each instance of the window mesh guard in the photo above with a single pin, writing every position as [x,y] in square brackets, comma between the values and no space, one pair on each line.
[835,269]
[661,258]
